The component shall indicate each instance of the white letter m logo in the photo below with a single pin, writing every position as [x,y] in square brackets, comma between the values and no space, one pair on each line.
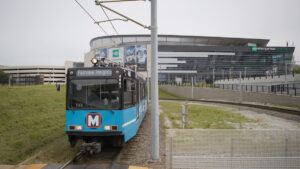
[93,120]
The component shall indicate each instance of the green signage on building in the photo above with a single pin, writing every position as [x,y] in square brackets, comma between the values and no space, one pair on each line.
[254,49]
[281,49]
[115,53]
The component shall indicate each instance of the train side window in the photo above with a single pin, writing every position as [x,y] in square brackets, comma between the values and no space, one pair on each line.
[142,91]
[129,93]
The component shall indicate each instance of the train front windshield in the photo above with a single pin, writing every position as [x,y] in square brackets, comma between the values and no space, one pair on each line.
[94,94]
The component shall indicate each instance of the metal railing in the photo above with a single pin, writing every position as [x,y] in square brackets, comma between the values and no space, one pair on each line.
[233,149]
[281,89]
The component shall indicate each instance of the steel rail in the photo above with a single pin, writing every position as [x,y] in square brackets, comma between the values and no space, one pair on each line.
[79,154]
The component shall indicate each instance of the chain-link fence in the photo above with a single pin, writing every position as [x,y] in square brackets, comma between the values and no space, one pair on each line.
[234,149]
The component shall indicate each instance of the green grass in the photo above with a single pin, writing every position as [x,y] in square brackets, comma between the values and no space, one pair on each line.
[31,118]
[297,71]
[200,116]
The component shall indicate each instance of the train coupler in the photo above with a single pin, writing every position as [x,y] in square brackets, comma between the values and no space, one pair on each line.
[92,148]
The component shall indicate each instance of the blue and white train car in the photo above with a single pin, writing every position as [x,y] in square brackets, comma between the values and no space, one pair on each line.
[106,103]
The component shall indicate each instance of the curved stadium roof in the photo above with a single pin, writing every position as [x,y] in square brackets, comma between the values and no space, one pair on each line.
[176,39]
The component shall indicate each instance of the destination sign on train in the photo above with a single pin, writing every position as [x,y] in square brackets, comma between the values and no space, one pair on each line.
[83,73]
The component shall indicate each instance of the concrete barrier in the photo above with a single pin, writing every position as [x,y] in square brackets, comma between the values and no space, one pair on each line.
[230,95]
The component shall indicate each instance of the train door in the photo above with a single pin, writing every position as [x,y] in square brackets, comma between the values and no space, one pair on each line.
[138,99]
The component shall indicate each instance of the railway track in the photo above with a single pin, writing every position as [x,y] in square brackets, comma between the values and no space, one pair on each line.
[107,158]
[258,106]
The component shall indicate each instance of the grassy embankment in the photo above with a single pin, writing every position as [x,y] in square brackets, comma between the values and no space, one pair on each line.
[201,116]
[32,122]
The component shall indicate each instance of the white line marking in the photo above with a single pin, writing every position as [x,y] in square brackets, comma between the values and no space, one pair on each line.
[126,124]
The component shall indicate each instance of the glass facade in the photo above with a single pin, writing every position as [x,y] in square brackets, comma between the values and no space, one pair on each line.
[205,59]
[217,62]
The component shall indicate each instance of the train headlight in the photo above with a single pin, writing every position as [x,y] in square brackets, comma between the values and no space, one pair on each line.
[107,127]
[75,127]
[94,60]
[78,127]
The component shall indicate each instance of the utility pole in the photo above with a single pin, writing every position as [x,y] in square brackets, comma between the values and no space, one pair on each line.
[154,72]
[154,84]
[213,78]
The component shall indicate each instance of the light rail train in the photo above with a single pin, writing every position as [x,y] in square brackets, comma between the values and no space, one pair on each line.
[105,103]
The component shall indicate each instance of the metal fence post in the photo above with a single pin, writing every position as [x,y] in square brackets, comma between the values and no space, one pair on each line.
[286,147]
[192,88]
[231,152]
[171,152]
[183,112]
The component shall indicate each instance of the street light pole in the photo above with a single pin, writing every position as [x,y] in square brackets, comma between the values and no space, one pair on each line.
[154,84]
[213,82]
[285,79]
[240,82]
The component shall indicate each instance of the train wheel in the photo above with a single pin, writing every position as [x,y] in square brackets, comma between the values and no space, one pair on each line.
[72,141]
[118,142]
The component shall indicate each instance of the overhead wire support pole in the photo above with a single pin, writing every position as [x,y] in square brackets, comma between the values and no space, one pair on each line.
[154,84]
[116,19]
[109,20]
[120,1]
[130,19]
[93,19]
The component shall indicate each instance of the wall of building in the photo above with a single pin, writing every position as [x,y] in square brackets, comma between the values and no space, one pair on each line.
[202,58]
[229,95]
[51,74]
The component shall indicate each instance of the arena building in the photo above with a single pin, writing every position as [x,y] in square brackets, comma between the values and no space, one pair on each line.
[27,75]
[181,58]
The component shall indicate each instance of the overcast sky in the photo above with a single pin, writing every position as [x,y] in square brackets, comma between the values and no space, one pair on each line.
[40,32]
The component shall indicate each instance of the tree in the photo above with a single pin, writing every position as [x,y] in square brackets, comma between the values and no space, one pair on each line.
[3,77]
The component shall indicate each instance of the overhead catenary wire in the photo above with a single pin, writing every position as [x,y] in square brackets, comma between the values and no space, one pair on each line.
[93,19]
[112,25]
